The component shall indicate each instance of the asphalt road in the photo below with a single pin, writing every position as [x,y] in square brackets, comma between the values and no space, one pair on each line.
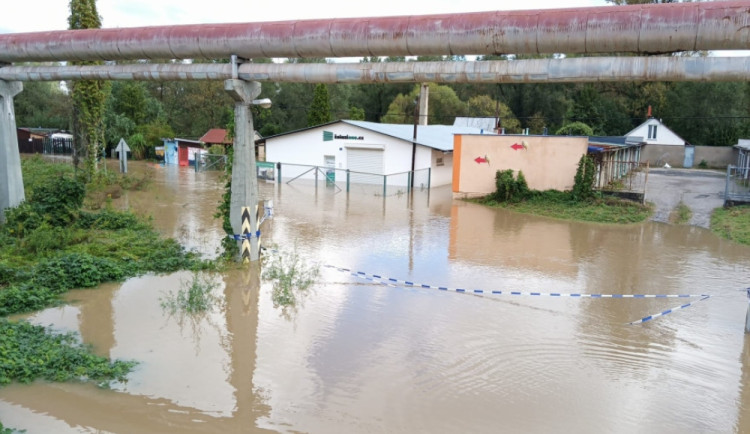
[701,190]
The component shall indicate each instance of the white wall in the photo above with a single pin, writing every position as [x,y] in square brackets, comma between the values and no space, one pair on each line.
[664,136]
[308,148]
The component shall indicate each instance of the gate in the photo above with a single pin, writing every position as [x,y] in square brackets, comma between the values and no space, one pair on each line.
[689,156]
[737,190]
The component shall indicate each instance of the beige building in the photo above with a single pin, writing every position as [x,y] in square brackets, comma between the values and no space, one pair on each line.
[547,162]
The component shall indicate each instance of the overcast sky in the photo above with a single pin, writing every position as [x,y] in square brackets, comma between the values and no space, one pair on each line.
[41,15]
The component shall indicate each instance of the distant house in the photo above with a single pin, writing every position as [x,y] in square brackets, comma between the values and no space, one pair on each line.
[486,124]
[216,136]
[661,145]
[44,141]
[182,151]
[368,148]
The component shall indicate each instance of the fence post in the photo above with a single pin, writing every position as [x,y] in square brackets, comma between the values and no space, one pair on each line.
[278,172]
[726,187]
[316,177]
[347,180]
[385,181]
[408,181]
[429,177]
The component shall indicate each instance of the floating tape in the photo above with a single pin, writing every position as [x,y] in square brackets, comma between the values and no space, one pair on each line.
[389,281]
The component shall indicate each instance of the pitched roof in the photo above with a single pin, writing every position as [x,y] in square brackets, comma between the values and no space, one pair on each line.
[438,137]
[216,136]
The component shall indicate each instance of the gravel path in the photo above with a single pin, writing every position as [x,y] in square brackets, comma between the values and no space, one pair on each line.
[701,190]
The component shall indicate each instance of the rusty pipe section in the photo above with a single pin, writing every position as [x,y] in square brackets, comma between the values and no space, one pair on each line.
[582,69]
[652,28]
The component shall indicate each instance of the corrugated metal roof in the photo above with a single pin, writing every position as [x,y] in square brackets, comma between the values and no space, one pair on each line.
[487,123]
[438,137]
[743,144]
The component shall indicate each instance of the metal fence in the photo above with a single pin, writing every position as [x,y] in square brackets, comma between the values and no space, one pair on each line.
[627,177]
[205,162]
[347,180]
[46,145]
[737,190]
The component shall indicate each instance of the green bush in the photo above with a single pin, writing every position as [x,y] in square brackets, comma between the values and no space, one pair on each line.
[509,188]
[31,352]
[583,187]
[575,129]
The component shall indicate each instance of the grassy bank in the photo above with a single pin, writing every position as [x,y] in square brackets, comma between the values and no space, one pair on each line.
[732,223]
[51,244]
[561,205]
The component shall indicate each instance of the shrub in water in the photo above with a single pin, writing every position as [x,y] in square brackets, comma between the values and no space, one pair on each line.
[31,352]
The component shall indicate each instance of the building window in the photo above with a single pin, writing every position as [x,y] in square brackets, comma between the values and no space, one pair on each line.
[439,161]
[652,132]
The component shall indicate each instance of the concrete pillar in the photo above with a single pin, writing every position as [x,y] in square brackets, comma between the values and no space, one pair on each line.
[11,180]
[244,191]
[424,96]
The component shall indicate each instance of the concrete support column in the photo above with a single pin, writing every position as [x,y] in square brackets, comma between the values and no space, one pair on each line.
[244,191]
[11,180]
[424,97]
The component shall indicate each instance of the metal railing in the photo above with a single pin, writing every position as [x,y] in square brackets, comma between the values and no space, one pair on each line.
[628,176]
[205,162]
[350,180]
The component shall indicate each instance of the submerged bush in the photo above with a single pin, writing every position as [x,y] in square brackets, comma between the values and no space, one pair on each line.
[194,296]
[33,352]
[289,276]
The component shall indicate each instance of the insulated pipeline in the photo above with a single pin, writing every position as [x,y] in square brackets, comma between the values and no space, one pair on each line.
[651,28]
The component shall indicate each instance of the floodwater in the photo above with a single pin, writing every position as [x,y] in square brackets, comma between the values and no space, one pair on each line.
[357,356]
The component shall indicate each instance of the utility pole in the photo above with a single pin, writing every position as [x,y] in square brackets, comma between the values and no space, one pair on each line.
[244,192]
[420,118]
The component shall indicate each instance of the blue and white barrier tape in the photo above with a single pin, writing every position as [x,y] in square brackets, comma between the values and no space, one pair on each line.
[244,236]
[389,281]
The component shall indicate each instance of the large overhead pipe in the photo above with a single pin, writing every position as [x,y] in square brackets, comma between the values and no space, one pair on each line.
[583,69]
[653,28]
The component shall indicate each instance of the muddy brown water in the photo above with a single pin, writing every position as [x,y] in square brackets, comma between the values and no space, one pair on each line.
[357,356]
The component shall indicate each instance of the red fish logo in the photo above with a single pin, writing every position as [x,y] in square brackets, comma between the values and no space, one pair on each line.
[517,146]
[481,160]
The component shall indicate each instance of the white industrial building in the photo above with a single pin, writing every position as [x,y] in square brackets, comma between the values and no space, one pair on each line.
[367,147]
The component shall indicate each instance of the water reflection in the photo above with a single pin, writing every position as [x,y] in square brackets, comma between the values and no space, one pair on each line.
[358,356]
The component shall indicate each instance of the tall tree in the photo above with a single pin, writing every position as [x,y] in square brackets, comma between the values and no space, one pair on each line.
[444,105]
[43,104]
[320,110]
[89,96]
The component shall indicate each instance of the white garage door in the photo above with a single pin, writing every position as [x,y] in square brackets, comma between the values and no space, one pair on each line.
[365,160]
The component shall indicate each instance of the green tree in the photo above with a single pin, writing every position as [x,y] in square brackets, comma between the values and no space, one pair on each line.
[356,114]
[575,129]
[89,96]
[444,105]
[485,106]
[320,109]
[713,114]
[43,104]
